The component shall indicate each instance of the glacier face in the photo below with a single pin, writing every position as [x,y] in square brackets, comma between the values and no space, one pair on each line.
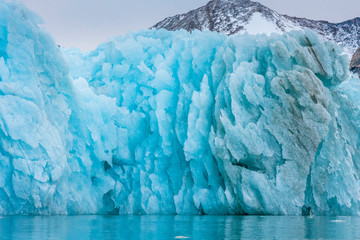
[160,122]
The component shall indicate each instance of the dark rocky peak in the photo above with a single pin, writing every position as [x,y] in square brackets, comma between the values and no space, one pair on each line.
[234,16]
[351,22]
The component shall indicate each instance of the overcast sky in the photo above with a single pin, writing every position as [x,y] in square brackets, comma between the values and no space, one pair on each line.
[86,23]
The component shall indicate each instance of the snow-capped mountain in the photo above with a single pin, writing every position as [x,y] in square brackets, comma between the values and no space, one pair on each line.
[233,16]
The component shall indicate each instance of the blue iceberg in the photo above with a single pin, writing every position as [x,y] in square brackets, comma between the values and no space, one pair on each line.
[159,122]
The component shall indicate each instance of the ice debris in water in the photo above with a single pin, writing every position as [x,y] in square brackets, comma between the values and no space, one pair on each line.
[160,122]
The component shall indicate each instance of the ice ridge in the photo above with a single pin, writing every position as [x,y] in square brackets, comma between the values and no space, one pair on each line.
[160,122]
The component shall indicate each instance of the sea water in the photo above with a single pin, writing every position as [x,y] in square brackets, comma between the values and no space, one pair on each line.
[178,227]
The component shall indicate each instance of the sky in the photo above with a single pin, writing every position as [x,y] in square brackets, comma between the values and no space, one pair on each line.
[87,23]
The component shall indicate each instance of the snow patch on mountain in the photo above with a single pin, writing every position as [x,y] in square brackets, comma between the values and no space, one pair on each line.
[259,24]
[239,16]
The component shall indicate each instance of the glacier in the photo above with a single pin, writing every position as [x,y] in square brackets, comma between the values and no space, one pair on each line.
[159,122]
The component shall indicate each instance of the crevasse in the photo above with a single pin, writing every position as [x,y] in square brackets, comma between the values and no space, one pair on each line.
[160,122]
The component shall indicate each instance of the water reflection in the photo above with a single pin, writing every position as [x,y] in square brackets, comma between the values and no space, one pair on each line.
[179,227]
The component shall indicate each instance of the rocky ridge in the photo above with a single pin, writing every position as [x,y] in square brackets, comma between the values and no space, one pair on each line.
[236,16]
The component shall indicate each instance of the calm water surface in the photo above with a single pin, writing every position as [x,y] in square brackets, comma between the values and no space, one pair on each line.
[179,227]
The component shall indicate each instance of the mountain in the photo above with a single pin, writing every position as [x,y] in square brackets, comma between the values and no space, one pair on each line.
[234,16]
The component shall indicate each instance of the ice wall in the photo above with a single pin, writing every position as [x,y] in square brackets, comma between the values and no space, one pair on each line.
[35,92]
[46,166]
[161,122]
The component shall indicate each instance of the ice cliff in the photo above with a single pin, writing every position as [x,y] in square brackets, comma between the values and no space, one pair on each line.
[160,122]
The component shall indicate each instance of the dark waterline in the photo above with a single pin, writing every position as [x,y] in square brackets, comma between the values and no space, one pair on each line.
[179,227]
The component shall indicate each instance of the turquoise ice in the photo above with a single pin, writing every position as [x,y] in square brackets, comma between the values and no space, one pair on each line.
[159,122]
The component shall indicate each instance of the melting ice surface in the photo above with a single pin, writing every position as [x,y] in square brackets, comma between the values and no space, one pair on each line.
[161,122]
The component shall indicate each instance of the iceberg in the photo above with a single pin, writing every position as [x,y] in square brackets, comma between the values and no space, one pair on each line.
[159,122]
